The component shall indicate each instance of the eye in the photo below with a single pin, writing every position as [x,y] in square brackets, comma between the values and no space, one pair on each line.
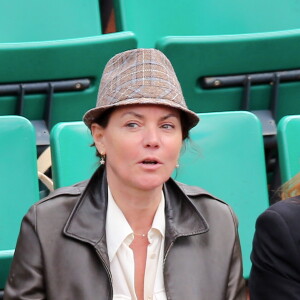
[168,126]
[132,125]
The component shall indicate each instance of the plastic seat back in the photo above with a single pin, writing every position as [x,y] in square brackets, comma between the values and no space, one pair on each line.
[55,81]
[19,183]
[152,20]
[254,72]
[226,157]
[34,20]
[73,158]
[289,146]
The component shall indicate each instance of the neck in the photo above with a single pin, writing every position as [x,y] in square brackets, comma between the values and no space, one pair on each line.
[138,207]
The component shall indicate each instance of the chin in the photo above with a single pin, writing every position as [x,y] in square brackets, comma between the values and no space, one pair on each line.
[152,183]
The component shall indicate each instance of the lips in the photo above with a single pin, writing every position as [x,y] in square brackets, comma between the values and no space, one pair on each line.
[150,161]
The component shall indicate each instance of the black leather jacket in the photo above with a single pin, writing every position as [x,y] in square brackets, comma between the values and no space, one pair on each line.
[61,251]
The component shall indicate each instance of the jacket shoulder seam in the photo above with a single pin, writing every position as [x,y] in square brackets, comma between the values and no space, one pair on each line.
[71,191]
[194,191]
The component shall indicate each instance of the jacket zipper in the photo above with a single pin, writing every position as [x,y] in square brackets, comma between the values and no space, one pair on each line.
[167,252]
[108,274]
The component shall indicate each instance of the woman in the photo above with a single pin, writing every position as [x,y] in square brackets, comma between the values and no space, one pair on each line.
[275,272]
[131,232]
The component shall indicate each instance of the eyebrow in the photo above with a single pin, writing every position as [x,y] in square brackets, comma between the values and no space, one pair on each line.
[170,115]
[132,113]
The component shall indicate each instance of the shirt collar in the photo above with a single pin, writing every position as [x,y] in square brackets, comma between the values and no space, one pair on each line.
[118,229]
[159,218]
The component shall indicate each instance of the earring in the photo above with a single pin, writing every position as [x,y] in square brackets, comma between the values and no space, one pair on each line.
[177,165]
[102,159]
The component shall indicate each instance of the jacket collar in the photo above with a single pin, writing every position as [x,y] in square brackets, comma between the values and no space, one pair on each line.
[182,217]
[88,218]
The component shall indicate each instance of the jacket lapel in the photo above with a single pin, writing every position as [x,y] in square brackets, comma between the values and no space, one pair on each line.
[182,217]
[88,218]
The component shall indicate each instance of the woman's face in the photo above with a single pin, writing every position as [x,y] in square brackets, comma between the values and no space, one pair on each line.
[142,145]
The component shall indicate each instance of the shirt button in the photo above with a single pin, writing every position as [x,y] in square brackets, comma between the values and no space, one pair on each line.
[153,256]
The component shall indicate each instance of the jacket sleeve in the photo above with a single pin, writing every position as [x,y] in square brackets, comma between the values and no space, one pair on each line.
[275,272]
[26,275]
[236,283]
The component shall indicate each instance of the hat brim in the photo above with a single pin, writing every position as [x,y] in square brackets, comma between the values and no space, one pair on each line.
[95,113]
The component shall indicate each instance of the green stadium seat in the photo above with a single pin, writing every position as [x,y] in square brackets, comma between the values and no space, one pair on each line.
[35,20]
[289,146]
[152,20]
[225,156]
[73,158]
[50,82]
[19,183]
[255,72]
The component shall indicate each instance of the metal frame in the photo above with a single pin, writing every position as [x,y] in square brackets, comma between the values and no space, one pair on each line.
[49,88]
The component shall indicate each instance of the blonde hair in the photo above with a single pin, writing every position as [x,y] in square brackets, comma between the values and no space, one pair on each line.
[291,188]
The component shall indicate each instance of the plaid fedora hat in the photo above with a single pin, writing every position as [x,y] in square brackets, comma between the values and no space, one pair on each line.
[139,76]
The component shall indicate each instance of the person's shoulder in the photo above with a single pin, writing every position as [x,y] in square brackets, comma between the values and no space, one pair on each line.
[213,209]
[282,214]
[62,195]
[205,201]
[288,209]
[53,210]
[290,203]
[197,192]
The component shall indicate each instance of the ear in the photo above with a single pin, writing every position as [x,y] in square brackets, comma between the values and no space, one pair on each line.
[98,133]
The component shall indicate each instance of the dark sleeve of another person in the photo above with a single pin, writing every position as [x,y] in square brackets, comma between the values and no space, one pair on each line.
[275,256]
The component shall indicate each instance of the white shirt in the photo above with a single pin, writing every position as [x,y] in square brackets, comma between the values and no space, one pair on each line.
[119,236]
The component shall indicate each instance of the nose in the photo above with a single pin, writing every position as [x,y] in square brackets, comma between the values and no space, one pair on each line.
[151,138]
